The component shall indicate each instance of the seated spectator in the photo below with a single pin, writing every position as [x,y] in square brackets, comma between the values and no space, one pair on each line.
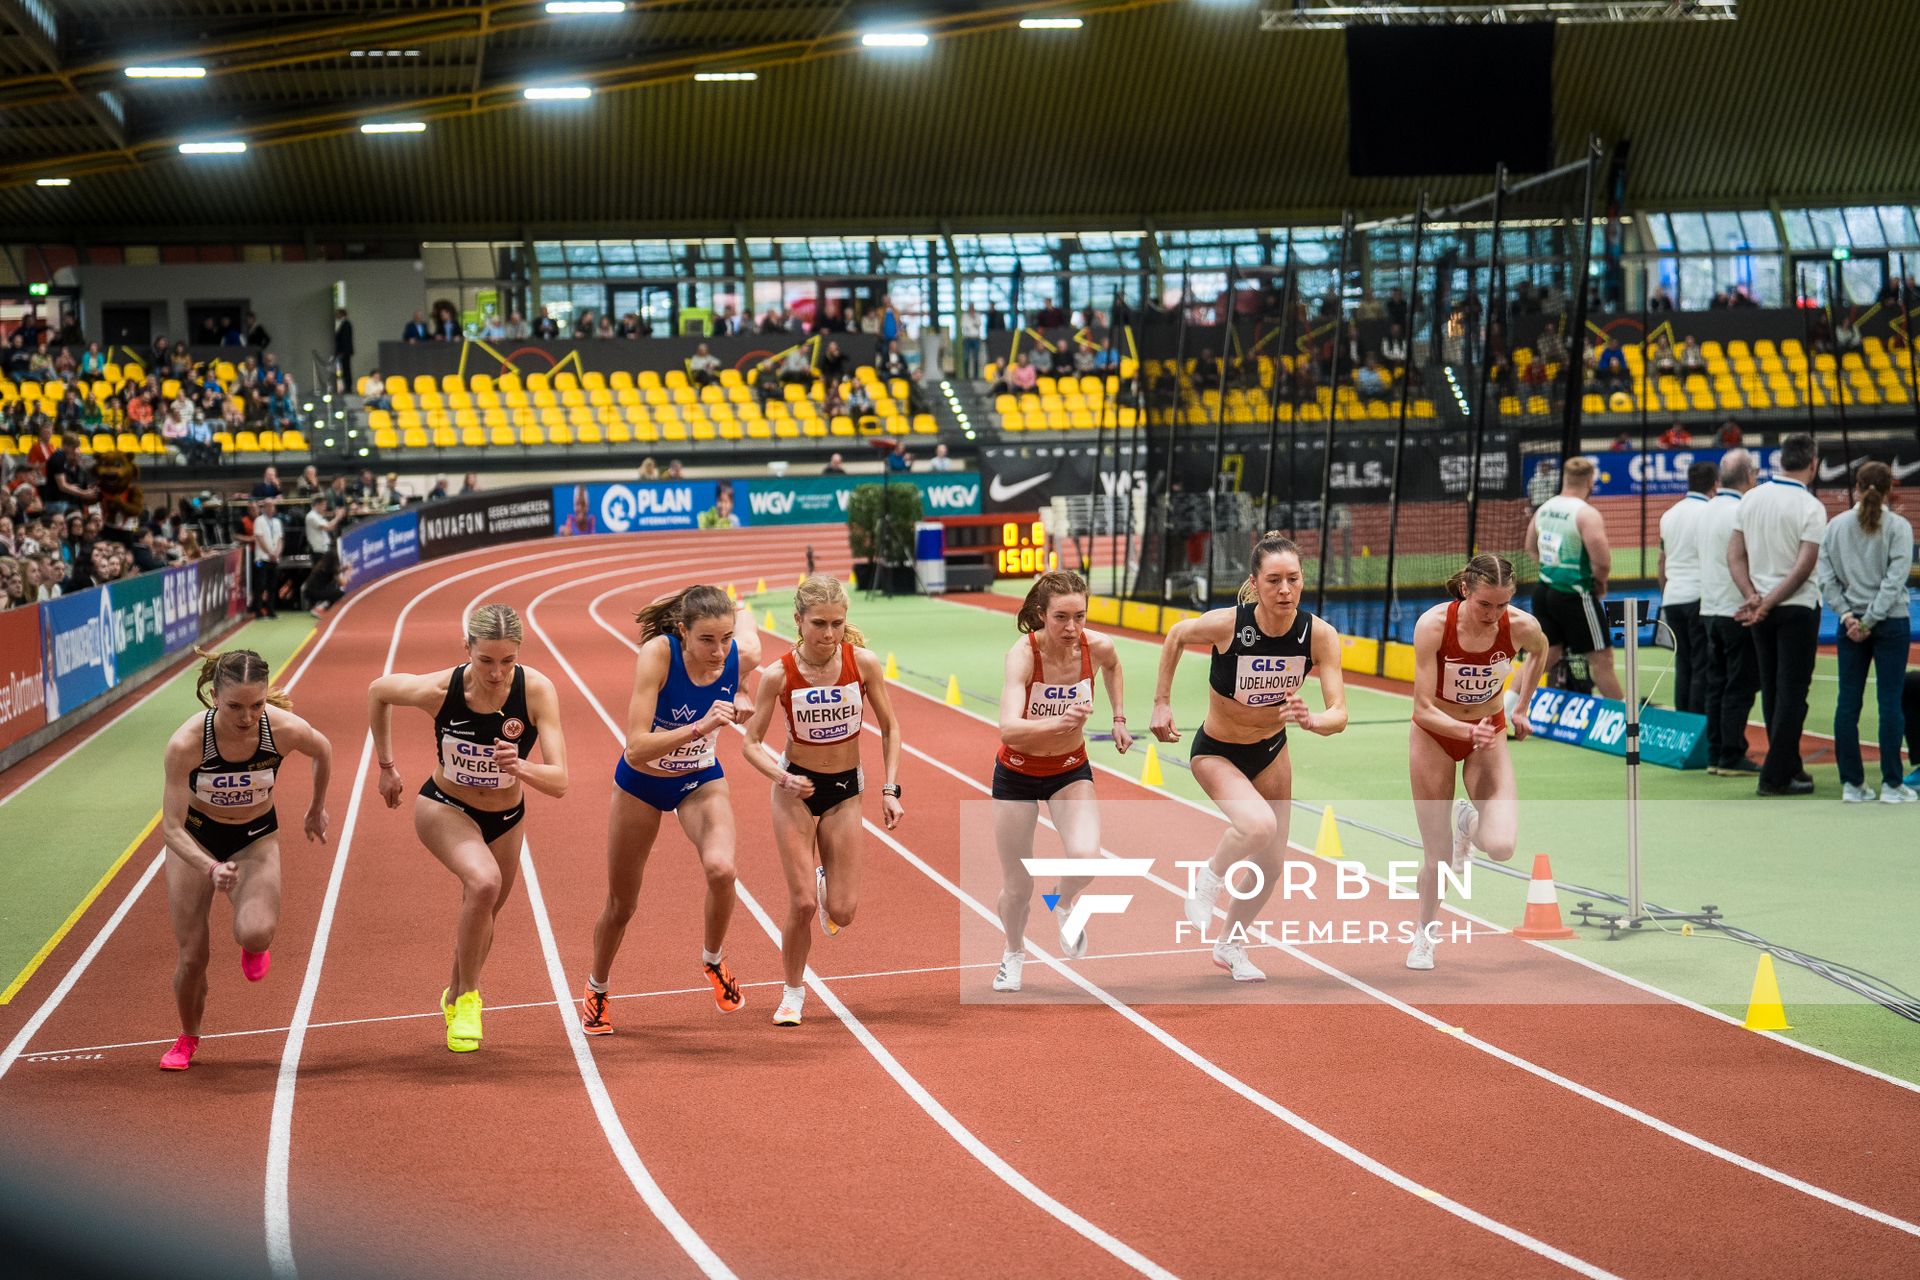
[773,321]
[1086,359]
[280,411]
[93,361]
[604,329]
[545,327]
[704,367]
[210,331]
[833,467]
[890,362]
[416,330]
[1660,357]
[1730,435]
[439,492]
[833,365]
[583,325]
[516,326]
[1846,336]
[631,326]
[834,396]
[1610,369]
[1049,316]
[860,401]
[1622,443]
[940,461]
[268,485]
[649,469]
[766,384]
[1040,358]
[1370,380]
[40,365]
[1022,377]
[797,368]
[495,329]
[1676,437]
[1693,363]
[471,484]
[1660,300]
[378,399]
[1550,346]
[675,471]
[257,335]
[64,365]
[308,485]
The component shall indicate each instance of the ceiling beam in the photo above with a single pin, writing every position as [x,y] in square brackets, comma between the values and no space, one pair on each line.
[47,51]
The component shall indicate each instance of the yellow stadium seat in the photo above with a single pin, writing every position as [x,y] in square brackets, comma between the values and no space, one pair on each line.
[480,383]
[445,438]
[386,440]
[757,429]
[539,382]
[593,381]
[924,425]
[673,432]
[646,433]
[589,433]
[451,382]
[379,419]
[423,384]
[294,440]
[619,380]
[532,436]
[7,446]
[566,382]
[472,438]
[619,433]
[786,429]
[416,438]
[501,436]
[676,378]
[561,434]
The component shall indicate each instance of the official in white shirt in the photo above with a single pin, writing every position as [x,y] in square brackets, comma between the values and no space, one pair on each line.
[1733,666]
[1680,587]
[269,543]
[1772,555]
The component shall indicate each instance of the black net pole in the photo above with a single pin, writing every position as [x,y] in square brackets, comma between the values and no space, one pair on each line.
[1326,456]
[1273,415]
[1496,296]
[1110,399]
[1806,338]
[1173,425]
[1400,438]
[1134,440]
[1913,361]
[1645,321]
[1577,347]
[1219,431]
[1099,455]
[1839,378]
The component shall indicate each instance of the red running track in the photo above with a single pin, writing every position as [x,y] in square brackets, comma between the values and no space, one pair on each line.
[945,1137]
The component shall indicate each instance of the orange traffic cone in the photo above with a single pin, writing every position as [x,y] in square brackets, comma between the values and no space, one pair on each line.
[1543,909]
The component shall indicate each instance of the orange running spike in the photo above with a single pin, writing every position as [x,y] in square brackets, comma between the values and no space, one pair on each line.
[1543,909]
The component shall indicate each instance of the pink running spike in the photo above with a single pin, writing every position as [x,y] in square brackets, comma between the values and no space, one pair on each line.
[180,1057]
[255,963]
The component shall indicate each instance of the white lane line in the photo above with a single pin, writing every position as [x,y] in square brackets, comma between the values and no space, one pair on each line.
[1515,1060]
[913,1088]
[1490,925]
[278,1211]
[1291,1119]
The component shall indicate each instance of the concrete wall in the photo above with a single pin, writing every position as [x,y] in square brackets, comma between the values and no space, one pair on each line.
[292,299]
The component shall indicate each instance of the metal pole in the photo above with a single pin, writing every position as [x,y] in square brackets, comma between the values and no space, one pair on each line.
[1576,355]
[1134,440]
[1477,429]
[1806,354]
[1834,283]
[1632,646]
[1112,399]
[1645,320]
[1219,432]
[1913,361]
[1166,482]
[1273,419]
[1326,457]
[1400,437]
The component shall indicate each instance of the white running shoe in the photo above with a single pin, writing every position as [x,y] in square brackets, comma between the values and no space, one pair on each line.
[1206,891]
[791,1000]
[1421,956]
[1463,815]
[1008,979]
[1850,794]
[1077,948]
[1901,794]
[827,926]
[1232,956]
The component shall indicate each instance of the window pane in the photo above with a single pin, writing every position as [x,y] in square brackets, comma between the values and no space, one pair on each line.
[1767,290]
[1690,232]
[1760,230]
[1863,279]
[1863,225]
[1829,228]
[1897,222]
[1726,231]
[1799,228]
[1661,231]
[1696,284]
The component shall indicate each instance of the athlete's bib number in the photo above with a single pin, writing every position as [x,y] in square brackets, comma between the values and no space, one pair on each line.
[696,755]
[470,763]
[1045,700]
[235,790]
[829,713]
[1266,681]
[1469,684]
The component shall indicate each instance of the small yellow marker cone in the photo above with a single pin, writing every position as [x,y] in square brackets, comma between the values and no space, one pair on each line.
[1150,775]
[953,691]
[799,581]
[1328,843]
[853,580]
[731,593]
[770,624]
[893,668]
[1764,1011]
[760,587]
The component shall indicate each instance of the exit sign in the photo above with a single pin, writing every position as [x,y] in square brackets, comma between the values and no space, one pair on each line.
[37,290]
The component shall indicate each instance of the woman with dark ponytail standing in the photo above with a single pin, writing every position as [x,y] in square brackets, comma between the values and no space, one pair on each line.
[1864,562]
[1263,650]
[686,687]
[221,830]
[1463,652]
[1045,702]
[488,714]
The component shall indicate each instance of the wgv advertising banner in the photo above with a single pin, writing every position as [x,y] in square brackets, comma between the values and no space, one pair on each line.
[381,546]
[580,509]
[1675,739]
[823,499]
[139,629]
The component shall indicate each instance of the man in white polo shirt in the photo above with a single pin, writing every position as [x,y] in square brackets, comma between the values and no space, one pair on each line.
[1680,587]
[1733,669]
[1772,555]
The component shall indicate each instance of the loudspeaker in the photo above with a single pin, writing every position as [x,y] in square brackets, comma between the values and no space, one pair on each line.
[1449,100]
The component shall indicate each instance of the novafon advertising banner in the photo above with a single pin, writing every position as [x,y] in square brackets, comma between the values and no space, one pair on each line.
[1675,739]
[22,695]
[378,547]
[483,519]
[580,509]
[823,499]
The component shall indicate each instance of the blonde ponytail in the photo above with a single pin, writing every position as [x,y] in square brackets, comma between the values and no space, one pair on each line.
[235,666]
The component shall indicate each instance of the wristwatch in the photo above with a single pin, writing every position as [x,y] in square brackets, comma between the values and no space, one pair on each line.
[891,789]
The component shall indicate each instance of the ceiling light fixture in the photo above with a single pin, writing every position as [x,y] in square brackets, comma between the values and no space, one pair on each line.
[166,73]
[1051,24]
[713,77]
[53,182]
[586,6]
[894,39]
[212,148]
[558,93]
[396,126]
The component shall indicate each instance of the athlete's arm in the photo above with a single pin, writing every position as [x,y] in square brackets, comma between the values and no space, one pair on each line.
[1531,542]
[758,754]
[182,755]
[1593,535]
[1106,659]
[873,676]
[383,695]
[1216,628]
[308,740]
[746,634]
[644,742]
[1526,633]
[1333,685]
[1426,679]
[550,776]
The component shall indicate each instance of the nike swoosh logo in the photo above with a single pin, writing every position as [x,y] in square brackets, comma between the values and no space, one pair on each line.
[1901,470]
[254,835]
[455,724]
[1001,492]
[1833,471]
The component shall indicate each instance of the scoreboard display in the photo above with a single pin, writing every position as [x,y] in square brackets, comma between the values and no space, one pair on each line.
[1013,543]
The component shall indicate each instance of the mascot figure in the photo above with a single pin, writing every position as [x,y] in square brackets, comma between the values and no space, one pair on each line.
[122,504]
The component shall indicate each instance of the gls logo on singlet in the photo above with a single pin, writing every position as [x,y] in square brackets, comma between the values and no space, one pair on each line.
[831,696]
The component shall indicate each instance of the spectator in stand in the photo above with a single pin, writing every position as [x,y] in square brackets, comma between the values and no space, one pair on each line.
[729,325]
[833,467]
[257,336]
[766,384]
[890,362]
[545,327]
[1622,443]
[973,334]
[1660,300]
[631,327]
[1049,316]
[377,389]
[704,367]
[66,485]
[342,351]
[1772,555]
[604,329]
[471,484]
[190,548]
[1659,357]
[1040,356]
[583,325]
[269,484]
[446,323]
[797,368]
[891,330]
[269,544]
[1677,437]
[1680,527]
[773,321]
[416,330]
[940,461]
[308,485]
[1693,362]
[1610,369]
[1865,557]
[439,492]
[859,400]
[1846,336]
[516,327]
[1730,435]
[833,365]
[649,469]
[210,331]
[495,329]
[93,361]
[1370,381]
[1022,378]
[675,471]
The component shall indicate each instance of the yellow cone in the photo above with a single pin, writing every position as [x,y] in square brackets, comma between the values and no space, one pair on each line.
[760,587]
[893,668]
[731,593]
[1764,1010]
[853,580]
[799,581]
[1150,775]
[1328,844]
[769,624]
[953,691]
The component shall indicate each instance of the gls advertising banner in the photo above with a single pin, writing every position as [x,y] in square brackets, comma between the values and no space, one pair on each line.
[22,695]
[1675,739]
[1664,471]
[483,519]
[379,547]
[823,499]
